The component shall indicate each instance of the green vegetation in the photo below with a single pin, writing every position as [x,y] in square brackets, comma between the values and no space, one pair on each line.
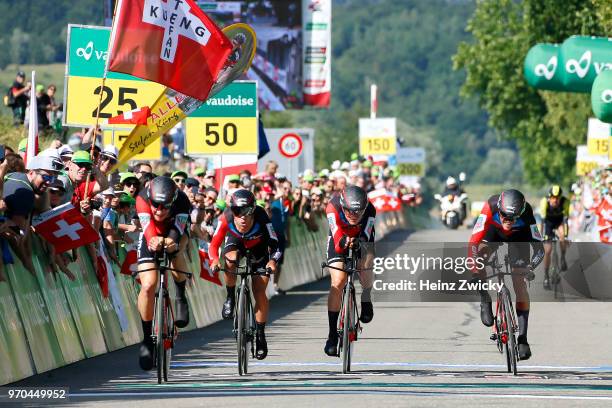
[546,126]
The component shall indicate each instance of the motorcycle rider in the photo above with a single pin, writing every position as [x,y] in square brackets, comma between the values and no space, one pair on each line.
[452,188]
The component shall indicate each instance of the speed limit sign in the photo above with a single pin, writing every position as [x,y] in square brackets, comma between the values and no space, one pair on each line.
[290,145]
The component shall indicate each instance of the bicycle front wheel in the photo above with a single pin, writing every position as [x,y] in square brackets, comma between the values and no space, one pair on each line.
[160,355]
[168,342]
[347,323]
[242,330]
[511,346]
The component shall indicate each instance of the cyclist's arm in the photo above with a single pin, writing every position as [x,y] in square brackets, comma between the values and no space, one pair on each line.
[340,239]
[535,238]
[144,216]
[217,239]
[273,248]
[479,233]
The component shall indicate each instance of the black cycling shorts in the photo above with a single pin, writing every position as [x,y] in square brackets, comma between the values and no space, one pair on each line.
[259,253]
[333,256]
[550,226]
[143,253]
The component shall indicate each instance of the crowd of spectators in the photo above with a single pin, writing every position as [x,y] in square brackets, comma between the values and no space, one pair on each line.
[49,111]
[62,174]
[591,204]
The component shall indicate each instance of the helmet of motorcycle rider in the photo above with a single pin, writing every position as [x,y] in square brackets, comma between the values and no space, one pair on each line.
[162,192]
[451,182]
[242,203]
[353,201]
[511,204]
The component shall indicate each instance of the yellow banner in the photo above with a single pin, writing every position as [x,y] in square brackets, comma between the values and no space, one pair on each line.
[118,96]
[377,145]
[172,107]
[151,152]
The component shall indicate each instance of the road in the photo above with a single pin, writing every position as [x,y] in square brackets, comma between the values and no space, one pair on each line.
[412,354]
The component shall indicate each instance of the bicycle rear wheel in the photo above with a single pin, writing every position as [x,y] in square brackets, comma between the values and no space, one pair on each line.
[511,346]
[160,329]
[347,323]
[242,328]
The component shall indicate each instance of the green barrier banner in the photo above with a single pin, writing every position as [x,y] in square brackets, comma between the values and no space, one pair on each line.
[52,292]
[541,67]
[583,58]
[83,309]
[601,96]
[14,352]
[109,321]
[44,347]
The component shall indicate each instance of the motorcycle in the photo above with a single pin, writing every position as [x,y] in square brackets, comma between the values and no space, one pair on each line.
[451,209]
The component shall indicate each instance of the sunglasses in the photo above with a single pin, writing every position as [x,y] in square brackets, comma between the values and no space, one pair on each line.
[131,184]
[47,178]
[156,205]
[86,166]
[179,180]
[242,211]
[507,218]
[354,213]
[56,191]
[108,158]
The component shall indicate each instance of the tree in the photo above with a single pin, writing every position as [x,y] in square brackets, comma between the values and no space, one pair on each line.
[546,126]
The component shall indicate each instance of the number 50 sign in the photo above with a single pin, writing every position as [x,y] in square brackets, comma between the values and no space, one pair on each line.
[226,123]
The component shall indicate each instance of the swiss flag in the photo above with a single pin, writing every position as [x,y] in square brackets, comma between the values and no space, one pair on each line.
[102,275]
[171,42]
[383,201]
[65,228]
[205,272]
[130,263]
[134,117]
[605,235]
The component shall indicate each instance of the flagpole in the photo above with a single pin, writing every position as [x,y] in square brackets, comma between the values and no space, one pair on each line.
[95,130]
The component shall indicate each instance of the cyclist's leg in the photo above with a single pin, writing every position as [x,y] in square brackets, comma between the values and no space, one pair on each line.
[562,244]
[178,261]
[548,234]
[366,278]
[231,255]
[146,302]
[260,283]
[519,252]
[334,299]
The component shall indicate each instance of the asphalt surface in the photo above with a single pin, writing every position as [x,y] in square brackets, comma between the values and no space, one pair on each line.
[412,354]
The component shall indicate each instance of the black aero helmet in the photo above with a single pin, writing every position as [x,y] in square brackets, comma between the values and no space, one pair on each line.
[511,204]
[242,202]
[354,199]
[162,192]
[555,191]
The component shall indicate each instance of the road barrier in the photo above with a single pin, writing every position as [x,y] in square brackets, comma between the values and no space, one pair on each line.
[48,321]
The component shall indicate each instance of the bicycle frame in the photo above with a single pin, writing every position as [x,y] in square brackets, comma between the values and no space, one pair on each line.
[164,331]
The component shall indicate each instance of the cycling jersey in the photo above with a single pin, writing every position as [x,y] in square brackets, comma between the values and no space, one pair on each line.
[488,228]
[173,226]
[261,239]
[555,214]
[340,229]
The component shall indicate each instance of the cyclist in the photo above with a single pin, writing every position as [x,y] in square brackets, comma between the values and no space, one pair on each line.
[163,211]
[507,217]
[247,226]
[554,210]
[351,217]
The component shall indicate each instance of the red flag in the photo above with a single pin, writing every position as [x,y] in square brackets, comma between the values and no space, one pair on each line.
[134,117]
[605,235]
[130,263]
[205,272]
[171,42]
[102,275]
[65,228]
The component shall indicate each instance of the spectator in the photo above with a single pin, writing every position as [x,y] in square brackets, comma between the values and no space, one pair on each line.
[270,170]
[180,178]
[210,178]
[108,158]
[81,167]
[23,145]
[130,184]
[65,152]
[200,175]
[19,91]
